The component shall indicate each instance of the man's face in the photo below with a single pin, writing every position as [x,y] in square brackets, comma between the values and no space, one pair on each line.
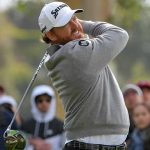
[132,98]
[43,103]
[71,31]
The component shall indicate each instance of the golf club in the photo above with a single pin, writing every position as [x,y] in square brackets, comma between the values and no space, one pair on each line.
[14,137]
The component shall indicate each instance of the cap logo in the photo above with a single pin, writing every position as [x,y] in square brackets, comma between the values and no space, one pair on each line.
[55,12]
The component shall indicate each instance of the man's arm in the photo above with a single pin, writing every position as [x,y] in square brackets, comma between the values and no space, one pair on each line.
[107,42]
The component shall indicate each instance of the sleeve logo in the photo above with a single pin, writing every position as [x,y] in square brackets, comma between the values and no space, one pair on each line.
[83,43]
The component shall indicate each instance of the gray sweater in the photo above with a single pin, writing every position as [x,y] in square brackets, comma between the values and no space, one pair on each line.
[90,94]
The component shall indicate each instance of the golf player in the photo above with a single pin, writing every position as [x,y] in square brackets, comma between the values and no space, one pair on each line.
[96,117]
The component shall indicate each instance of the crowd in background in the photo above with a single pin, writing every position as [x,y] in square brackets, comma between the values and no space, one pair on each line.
[137,100]
[44,131]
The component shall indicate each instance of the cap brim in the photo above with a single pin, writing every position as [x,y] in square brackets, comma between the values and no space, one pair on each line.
[78,10]
[64,20]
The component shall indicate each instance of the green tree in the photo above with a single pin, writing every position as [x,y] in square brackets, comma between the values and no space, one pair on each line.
[11,66]
[137,49]
[126,12]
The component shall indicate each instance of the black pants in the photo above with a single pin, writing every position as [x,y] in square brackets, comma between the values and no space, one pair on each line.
[75,145]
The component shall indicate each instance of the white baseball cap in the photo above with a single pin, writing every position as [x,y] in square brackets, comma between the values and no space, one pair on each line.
[8,99]
[132,87]
[55,14]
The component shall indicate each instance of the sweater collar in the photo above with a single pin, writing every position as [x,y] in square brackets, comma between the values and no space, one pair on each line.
[53,48]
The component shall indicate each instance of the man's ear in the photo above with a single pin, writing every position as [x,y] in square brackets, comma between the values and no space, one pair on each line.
[51,36]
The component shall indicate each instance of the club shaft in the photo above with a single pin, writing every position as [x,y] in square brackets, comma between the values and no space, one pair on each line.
[27,90]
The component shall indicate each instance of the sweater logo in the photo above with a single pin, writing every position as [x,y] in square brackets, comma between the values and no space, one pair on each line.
[83,43]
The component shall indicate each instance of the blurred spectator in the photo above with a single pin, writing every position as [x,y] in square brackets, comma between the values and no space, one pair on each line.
[145,87]
[132,96]
[6,115]
[8,99]
[140,138]
[13,104]
[45,131]
[2,90]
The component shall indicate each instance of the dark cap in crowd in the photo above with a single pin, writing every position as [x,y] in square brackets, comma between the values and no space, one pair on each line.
[144,84]
[133,87]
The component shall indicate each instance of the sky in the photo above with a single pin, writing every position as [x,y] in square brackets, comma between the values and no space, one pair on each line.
[4,4]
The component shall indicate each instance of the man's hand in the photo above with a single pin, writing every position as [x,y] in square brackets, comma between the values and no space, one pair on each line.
[39,144]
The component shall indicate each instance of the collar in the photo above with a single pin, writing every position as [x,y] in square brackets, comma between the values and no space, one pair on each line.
[52,49]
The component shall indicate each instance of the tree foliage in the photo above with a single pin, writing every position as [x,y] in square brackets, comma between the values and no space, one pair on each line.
[126,12]
[137,50]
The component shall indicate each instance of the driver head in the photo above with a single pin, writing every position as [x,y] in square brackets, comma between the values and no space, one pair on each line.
[14,140]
